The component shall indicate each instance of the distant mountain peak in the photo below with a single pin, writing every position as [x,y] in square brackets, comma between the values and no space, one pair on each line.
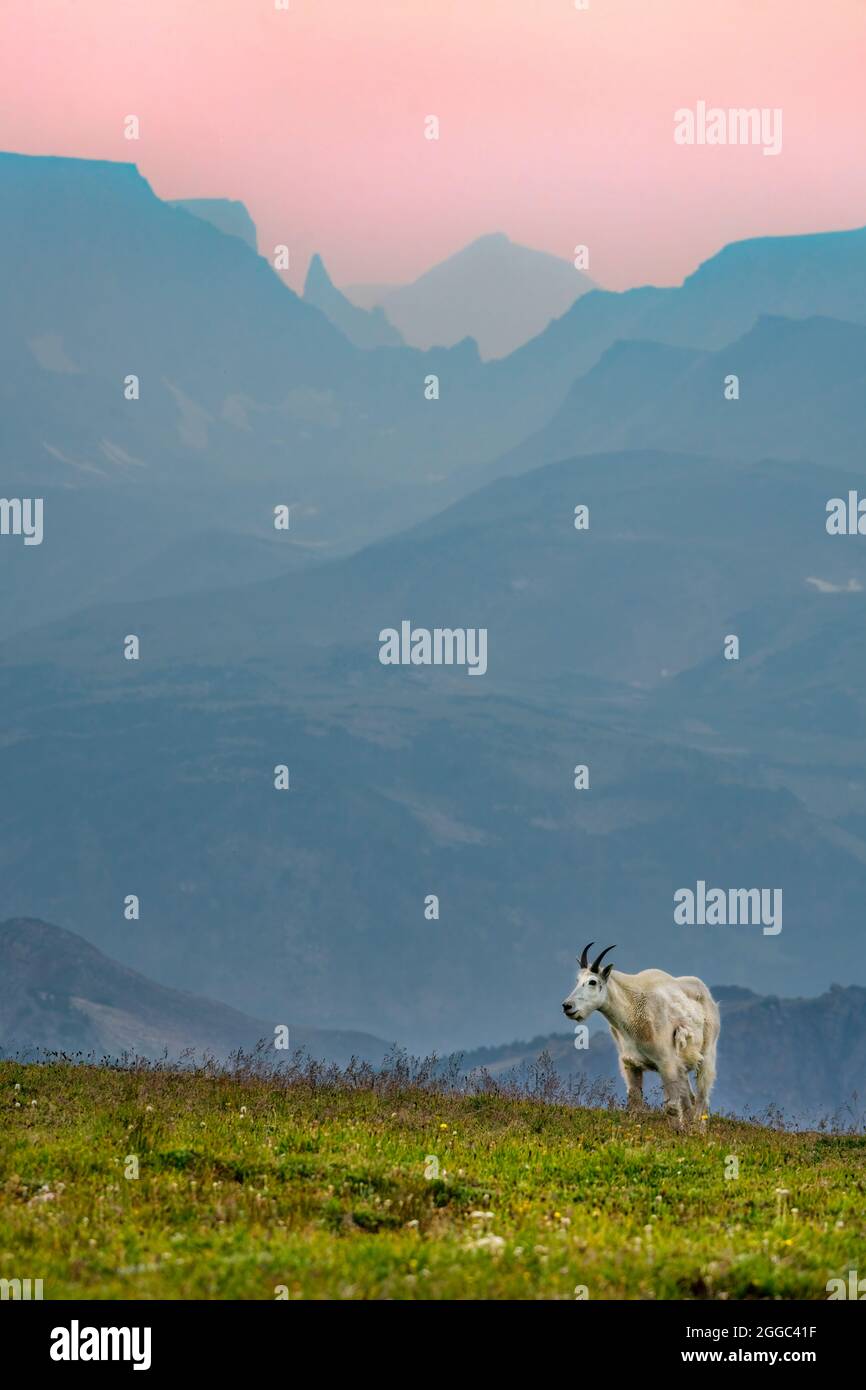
[317,277]
[493,290]
[488,239]
[366,328]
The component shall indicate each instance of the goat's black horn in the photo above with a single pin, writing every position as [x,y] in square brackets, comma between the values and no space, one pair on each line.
[581,960]
[598,960]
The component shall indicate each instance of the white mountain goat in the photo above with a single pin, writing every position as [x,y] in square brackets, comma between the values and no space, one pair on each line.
[660,1022]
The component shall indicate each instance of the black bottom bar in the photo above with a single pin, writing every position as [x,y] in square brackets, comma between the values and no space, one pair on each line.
[222,1338]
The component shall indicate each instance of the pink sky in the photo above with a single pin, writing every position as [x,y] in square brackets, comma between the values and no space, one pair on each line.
[556,124]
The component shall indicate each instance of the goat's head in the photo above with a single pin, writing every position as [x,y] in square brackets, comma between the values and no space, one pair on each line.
[590,990]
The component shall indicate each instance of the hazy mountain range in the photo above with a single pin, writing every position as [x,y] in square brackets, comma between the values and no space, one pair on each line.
[805,1057]
[799,385]
[260,648]
[58,993]
[406,782]
[250,397]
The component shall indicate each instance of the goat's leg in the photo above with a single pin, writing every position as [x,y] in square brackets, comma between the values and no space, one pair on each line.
[633,1078]
[705,1073]
[677,1092]
[692,1111]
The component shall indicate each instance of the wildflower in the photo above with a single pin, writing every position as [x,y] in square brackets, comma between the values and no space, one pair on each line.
[494,1244]
[43,1195]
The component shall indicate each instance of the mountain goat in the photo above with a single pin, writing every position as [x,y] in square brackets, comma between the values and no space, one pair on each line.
[660,1022]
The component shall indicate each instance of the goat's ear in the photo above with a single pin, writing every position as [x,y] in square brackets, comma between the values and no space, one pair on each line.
[606,971]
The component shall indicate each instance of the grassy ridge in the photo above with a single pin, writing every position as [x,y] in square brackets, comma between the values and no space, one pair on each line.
[246,1188]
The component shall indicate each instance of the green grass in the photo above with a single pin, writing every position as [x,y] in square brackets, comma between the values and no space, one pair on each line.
[246,1185]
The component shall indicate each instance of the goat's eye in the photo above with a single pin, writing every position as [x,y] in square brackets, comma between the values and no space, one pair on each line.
[593,984]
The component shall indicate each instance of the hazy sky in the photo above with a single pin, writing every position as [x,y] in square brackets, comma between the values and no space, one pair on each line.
[556,123]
